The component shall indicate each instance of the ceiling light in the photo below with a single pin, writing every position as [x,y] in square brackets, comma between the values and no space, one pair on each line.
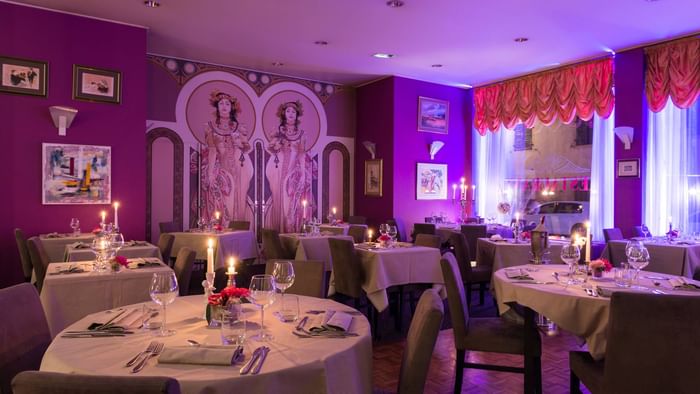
[277,64]
[521,39]
[436,65]
[321,42]
[383,55]
[394,3]
[151,3]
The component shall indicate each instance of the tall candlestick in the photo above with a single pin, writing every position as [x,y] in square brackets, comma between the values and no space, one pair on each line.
[303,204]
[588,242]
[454,191]
[210,256]
[116,214]
[104,215]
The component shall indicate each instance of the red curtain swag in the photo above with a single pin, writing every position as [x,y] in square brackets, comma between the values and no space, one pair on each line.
[563,93]
[673,70]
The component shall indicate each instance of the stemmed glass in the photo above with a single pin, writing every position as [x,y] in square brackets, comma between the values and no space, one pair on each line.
[283,273]
[383,228]
[262,294]
[117,242]
[75,225]
[392,232]
[571,254]
[645,230]
[163,291]
[640,260]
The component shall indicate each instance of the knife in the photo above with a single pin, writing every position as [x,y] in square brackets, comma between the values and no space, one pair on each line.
[261,360]
[249,364]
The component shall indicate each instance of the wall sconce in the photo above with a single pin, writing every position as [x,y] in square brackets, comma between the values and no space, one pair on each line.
[435,147]
[626,135]
[371,148]
[62,117]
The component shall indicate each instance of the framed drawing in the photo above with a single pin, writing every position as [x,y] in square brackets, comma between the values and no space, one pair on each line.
[628,168]
[373,177]
[23,76]
[94,84]
[433,115]
[76,174]
[431,181]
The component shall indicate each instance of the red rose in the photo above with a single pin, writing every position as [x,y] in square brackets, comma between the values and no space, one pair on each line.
[214,299]
[121,260]
[384,238]
[235,292]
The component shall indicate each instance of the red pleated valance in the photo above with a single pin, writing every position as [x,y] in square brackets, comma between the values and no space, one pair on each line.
[564,93]
[673,70]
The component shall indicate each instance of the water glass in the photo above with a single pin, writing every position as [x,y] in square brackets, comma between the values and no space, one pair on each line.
[289,309]
[262,294]
[233,328]
[151,318]
[570,254]
[75,225]
[622,275]
[580,274]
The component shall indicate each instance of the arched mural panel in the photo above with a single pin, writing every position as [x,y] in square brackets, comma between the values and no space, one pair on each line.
[334,148]
[162,159]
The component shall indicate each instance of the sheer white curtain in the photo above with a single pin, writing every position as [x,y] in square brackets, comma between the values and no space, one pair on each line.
[492,158]
[602,176]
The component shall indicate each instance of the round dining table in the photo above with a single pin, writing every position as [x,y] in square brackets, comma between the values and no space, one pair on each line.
[293,365]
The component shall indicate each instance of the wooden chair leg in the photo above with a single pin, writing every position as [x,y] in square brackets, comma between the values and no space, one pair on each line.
[574,383]
[459,371]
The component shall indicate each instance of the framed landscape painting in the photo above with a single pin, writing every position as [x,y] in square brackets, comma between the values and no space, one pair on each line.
[431,181]
[76,174]
[23,76]
[433,115]
[373,178]
[94,84]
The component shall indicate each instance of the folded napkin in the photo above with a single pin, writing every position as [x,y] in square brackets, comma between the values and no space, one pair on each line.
[496,237]
[54,235]
[202,355]
[70,270]
[130,319]
[331,321]
[681,283]
[81,245]
[139,262]
[518,274]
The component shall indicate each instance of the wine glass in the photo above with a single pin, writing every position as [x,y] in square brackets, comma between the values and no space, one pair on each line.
[283,273]
[75,225]
[101,246]
[117,242]
[571,254]
[640,261]
[392,231]
[383,228]
[163,291]
[262,294]
[645,230]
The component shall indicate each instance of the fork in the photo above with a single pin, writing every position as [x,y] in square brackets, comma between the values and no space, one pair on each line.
[151,347]
[158,349]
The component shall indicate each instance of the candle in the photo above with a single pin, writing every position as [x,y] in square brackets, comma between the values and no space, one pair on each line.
[334,211]
[210,256]
[462,180]
[473,192]
[303,204]
[588,242]
[217,214]
[454,191]
[369,234]
[116,215]
[231,266]
[670,221]
[103,214]
[517,218]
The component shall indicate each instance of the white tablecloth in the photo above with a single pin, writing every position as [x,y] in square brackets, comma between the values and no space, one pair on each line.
[508,254]
[674,259]
[74,254]
[311,248]
[343,227]
[67,298]
[56,247]
[240,244]
[294,365]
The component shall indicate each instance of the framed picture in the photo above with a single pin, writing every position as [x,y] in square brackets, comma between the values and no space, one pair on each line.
[628,168]
[22,76]
[94,84]
[76,174]
[433,115]
[431,181]
[373,177]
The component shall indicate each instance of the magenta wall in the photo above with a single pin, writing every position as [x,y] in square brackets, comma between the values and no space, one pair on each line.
[63,40]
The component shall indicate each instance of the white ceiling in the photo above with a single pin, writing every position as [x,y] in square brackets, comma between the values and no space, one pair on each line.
[473,39]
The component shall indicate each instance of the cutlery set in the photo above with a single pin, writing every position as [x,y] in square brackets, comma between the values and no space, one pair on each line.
[256,361]
[303,333]
[139,361]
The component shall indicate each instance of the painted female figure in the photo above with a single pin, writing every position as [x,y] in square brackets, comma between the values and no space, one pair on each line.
[290,169]
[226,167]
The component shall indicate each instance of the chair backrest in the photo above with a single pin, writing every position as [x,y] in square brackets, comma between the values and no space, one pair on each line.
[639,231]
[347,270]
[23,254]
[168,227]
[183,269]
[577,229]
[272,245]
[39,259]
[456,299]
[473,232]
[423,228]
[24,333]
[165,244]
[431,241]
[458,243]
[392,222]
[420,342]
[239,225]
[357,233]
[334,230]
[646,331]
[612,234]
[357,220]
[35,382]
[309,277]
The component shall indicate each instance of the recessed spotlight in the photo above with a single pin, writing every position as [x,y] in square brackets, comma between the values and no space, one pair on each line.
[151,3]
[521,39]
[436,65]
[383,55]
[321,42]
[277,64]
[394,3]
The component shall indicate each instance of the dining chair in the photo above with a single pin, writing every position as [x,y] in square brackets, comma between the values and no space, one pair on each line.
[239,224]
[431,241]
[24,258]
[420,342]
[423,228]
[39,259]
[309,277]
[612,234]
[639,231]
[357,220]
[183,269]
[652,347]
[492,335]
[165,245]
[24,333]
[36,382]
[334,230]
[472,233]
[392,222]
[169,227]
[357,233]
[479,274]
[272,245]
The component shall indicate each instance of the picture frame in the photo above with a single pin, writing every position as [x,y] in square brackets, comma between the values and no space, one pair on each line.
[97,84]
[374,177]
[628,168]
[433,115]
[431,181]
[76,174]
[23,76]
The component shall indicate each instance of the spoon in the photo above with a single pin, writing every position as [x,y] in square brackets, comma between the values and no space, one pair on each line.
[193,343]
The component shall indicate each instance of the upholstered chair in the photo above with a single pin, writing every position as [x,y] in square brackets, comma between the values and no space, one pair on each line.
[165,245]
[169,227]
[357,220]
[239,225]
[272,245]
[39,259]
[612,234]
[309,277]
[431,241]
[35,382]
[480,274]
[357,233]
[423,228]
[183,269]
[472,233]
[24,258]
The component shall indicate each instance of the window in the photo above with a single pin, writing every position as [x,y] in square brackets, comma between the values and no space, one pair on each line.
[523,138]
[584,132]
[547,208]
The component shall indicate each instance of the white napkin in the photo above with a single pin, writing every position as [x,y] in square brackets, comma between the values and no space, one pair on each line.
[683,284]
[331,321]
[202,355]
[517,274]
[496,237]
[130,319]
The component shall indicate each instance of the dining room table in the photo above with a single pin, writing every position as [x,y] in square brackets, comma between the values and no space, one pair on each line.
[444,230]
[311,246]
[241,244]
[676,257]
[580,308]
[506,252]
[294,364]
[55,243]
[80,251]
[73,290]
[338,229]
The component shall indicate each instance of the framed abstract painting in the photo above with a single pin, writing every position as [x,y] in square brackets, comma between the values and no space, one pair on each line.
[431,181]
[76,174]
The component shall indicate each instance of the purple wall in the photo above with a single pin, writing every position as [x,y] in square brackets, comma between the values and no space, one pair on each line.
[630,110]
[63,40]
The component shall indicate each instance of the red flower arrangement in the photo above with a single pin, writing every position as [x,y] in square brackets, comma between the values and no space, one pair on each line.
[119,261]
[96,230]
[525,235]
[384,238]
[601,265]
[218,227]
[228,294]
